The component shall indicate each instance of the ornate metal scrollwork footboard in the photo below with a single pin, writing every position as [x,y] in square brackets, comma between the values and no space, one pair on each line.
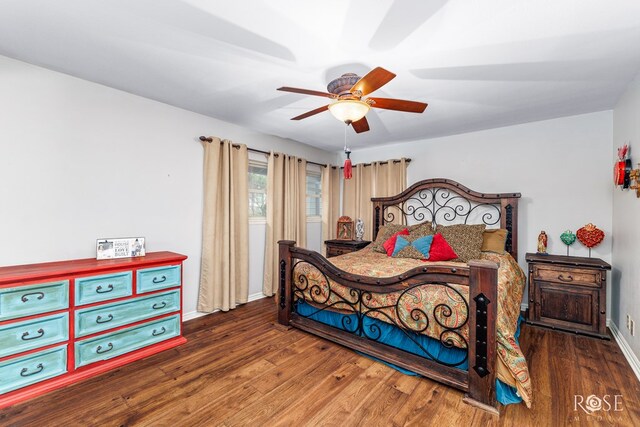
[407,314]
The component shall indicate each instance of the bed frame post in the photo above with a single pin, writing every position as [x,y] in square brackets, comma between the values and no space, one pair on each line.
[284,281]
[377,212]
[483,308]
[509,220]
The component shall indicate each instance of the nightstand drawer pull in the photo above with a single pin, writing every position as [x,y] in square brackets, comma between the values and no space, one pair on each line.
[159,281]
[25,297]
[569,278]
[99,350]
[109,318]
[159,306]
[25,336]
[25,371]
[100,291]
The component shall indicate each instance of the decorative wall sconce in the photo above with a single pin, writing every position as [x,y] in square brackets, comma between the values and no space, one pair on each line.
[623,173]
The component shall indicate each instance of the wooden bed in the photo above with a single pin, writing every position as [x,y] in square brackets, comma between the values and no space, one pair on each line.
[443,202]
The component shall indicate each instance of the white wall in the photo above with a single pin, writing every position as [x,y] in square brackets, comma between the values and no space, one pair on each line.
[626,221]
[80,161]
[560,166]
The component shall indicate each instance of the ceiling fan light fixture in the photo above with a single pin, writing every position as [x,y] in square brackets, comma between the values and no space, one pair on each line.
[349,110]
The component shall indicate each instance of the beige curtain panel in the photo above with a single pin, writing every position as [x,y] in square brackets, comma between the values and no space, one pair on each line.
[286,211]
[379,179]
[224,272]
[330,182]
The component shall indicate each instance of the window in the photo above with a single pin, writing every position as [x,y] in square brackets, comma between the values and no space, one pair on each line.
[258,193]
[314,195]
[257,190]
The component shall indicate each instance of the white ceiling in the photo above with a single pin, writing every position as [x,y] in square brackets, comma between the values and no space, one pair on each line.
[479,64]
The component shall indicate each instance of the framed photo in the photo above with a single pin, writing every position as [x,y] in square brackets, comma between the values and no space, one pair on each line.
[120,248]
[345,228]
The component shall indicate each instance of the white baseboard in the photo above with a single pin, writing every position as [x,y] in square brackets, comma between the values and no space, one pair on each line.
[626,349]
[256,296]
[195,314]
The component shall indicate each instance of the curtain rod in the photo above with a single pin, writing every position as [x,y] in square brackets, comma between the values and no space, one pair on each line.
[255,150]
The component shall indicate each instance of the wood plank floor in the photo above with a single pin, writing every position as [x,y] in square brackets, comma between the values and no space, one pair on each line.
[239,369]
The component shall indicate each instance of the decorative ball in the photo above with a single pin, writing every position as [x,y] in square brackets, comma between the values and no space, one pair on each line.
[568,238]
[590,235]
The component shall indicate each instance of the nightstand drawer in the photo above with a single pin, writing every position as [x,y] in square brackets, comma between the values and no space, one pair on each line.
[341,247]
[567,275]
[27,335]
[121,342]
[103,317]
[103,287]
[24,301]
[20,372]
[337,251]
[151,279]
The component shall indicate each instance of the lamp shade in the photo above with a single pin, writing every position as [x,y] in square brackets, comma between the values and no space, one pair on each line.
[349,110]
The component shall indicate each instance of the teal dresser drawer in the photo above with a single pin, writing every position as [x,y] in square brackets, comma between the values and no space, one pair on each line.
[124,341]
[104,287]
[21,301]
[151,279]
[36,367]
[103,317]
[30,334]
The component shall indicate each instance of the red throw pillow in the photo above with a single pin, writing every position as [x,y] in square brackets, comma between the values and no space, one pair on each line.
[440,249]
[390,244]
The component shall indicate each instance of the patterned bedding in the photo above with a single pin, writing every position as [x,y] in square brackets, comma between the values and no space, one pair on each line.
[433,310]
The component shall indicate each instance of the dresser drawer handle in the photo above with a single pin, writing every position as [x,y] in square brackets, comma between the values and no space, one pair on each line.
[163,279]
[569,278]
[164,304]
[25,336]
[25,371]
[100,291]
[109,319]
[99,350]
[25,297]
[155,333]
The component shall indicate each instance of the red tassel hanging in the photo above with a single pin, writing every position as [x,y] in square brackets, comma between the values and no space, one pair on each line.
[347,166]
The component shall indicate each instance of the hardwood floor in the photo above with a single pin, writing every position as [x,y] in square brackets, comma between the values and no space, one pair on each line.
[238,368]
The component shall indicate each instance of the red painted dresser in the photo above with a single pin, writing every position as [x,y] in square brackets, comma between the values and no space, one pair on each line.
[62,322]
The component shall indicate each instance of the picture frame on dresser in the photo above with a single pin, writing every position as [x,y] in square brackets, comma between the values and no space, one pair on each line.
[63,322]
[124,247]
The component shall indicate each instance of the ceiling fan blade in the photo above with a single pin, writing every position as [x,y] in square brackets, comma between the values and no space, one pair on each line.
[374,79]
[361,125]
[311,113]
[398,105]
[307,92]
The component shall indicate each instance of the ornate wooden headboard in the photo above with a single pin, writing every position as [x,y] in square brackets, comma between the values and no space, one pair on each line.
[445,202]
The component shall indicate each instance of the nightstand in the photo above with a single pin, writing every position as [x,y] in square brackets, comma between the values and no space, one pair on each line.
[568,293]
[340,247]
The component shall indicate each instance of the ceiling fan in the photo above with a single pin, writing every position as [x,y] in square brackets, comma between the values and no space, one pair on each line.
[348,91]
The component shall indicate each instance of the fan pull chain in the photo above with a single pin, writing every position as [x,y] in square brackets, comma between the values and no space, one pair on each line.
[347,163]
